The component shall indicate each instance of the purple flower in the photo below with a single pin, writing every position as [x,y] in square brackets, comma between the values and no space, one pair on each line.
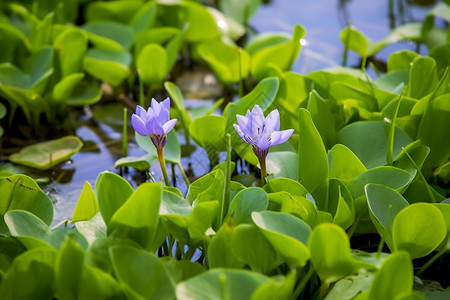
[261,132]
[155,122]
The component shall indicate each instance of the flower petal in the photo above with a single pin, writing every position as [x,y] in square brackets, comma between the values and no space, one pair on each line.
[258,121]
[240,132]
[156,107]
[141,112]
[279,137]
[263,142]
[272,121]
[242,121]
[139,125]
[169,125]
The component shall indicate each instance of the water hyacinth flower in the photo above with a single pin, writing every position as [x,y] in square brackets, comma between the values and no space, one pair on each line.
[155,123]
[261,132]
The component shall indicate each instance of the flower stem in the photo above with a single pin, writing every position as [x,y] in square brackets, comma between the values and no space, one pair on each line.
[162,162]
[262,164]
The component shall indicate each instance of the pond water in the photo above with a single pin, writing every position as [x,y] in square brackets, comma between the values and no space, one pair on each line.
[100,126]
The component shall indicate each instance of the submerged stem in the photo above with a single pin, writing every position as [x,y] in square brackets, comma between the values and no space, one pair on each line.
[162,162]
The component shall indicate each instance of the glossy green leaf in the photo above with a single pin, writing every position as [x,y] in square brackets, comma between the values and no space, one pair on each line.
[323,119]
[209,132]
[287,234]
[229,63]
[350,286]
[330,253]
[142,274]
[384,204]
[144,18]
[421,237]
[354,40]
[172,151]
[87,206]
[111,66]
[46,155]
[201,24]
[401,60]
[152,65]
[240,11]
[121,11]
[32,232]
[63,89]
[30,276]
[245,203]
[96,284]
[250,246]
[69,269]
[433,129]
[391,177]
[368,140]
[110,35]
[344,164]
[228,26]
[22,192]
[279,288]
[142,163]
[221,284]
[220,253]
[207,188]
[137,219]
[394,279]
[312,156]
[282,164]
[71,46]
[340,204]
[111,191]
[281,55]
[92,229]
[423,77]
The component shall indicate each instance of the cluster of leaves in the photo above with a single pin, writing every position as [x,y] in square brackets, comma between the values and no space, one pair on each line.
[48,61]
[368,156]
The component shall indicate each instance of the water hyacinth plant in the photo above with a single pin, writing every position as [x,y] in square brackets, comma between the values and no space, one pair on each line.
[155,123]
[261,132]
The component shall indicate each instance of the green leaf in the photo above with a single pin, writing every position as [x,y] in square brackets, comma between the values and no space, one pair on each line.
[287,234]
[368,140]
[282,164]
[220,252]
[48,154]
[109,35]
[340,204]
[87,206]
[137,219]
[93,229]
[323,119]
[231,28]
[241,11]
[221,284]
[425,234]
[30,276]
[344,164]
[111,192]
[423,77]
[209,132]
[250,246]
[330,253]
[391,177]
[69,269]
[32,232]
[201,24]
[394,279]
[354,40]
[111,66]
[71,46]
[22,192]
[245,203]
[142,163]
[142,275]
[282,55]
[433,129]
[121,11]
[350,286]
[152,65]
[64,88]
[229,63]
[384,204]
[312,156]
[96,284]
[401,60]
[85,93]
